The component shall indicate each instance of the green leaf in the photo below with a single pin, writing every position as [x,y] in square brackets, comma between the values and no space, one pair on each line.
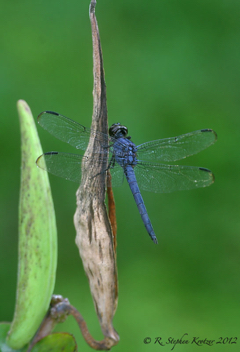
[56,342]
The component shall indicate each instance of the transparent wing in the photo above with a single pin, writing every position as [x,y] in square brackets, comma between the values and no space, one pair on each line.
[117,175]
[176,148]
[63,165]
[160,178]
[70,131]
[68,166]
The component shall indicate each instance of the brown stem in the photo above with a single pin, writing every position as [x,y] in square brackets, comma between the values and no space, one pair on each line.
[94,233]
[50,320]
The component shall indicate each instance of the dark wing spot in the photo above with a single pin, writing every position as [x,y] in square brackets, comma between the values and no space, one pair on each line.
[204,169]
[51,112]
[50,153]
[206,130]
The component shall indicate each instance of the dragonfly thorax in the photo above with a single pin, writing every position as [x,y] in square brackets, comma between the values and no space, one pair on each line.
[117,130]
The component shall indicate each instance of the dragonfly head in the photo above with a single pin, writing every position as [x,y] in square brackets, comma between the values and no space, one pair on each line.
[117,130]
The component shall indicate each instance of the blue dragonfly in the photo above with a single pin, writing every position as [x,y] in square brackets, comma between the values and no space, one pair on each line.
[125,158]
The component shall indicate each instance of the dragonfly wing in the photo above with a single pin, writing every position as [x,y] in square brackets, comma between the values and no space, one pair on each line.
[117,176]
[63,165]
[176,148]
[160,178]
[69,131]
[68,166]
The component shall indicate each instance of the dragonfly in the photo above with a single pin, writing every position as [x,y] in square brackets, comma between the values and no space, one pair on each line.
[137,162]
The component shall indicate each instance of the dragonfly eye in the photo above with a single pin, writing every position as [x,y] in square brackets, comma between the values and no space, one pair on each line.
[118,130]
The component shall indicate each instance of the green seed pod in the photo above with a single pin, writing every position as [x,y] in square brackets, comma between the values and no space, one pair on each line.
[37,248]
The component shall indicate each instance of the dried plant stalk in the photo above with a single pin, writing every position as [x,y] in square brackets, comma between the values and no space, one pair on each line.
[94,234]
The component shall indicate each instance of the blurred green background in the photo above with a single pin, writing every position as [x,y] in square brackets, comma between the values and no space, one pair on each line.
[171,67]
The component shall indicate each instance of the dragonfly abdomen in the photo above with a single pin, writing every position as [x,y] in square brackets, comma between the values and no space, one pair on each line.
[131,178]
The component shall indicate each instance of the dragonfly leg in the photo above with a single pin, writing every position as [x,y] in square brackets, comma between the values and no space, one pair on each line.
[110,166]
